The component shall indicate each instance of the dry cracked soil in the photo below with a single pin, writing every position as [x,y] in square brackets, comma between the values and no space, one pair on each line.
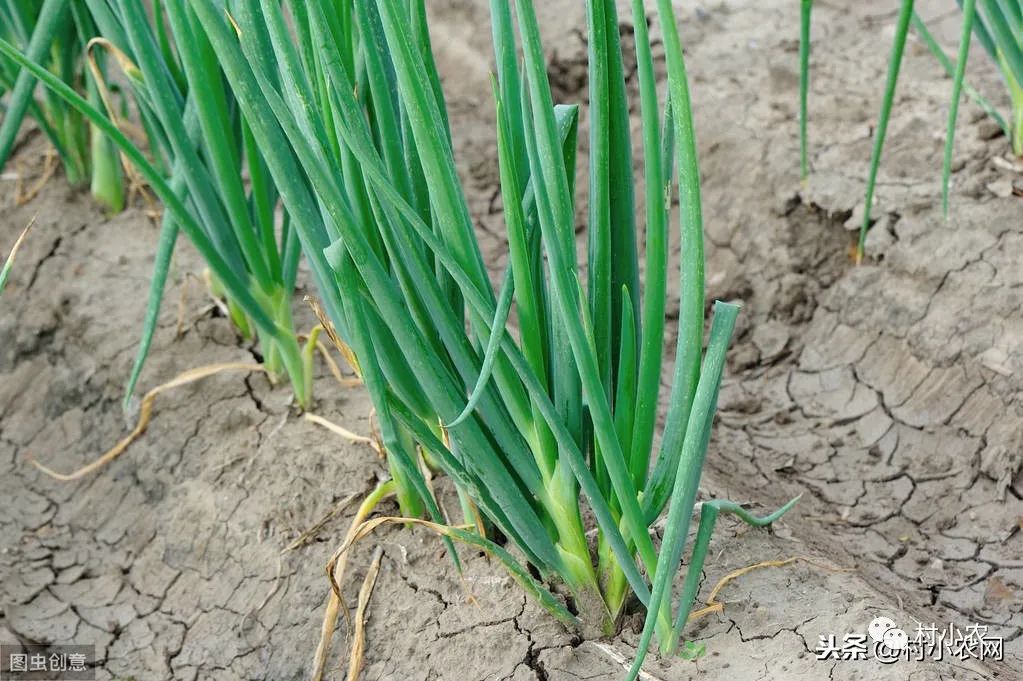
[888,394]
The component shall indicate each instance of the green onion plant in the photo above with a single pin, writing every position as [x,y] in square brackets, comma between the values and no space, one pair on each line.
[527,425]
[540,427]
[203,141]
[55,32]
[199,144]
[998,27]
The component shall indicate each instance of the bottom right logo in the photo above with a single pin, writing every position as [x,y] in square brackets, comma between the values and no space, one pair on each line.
[888,643]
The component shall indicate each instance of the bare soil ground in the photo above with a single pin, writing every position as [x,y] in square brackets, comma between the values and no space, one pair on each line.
[888,394]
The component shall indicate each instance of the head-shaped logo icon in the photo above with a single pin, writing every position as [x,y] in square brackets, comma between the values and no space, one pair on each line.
[878,627]
[896,639]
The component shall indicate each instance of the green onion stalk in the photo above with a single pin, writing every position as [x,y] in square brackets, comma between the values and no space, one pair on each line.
[540,429]
[55,32]
[202,140]
[199,144]
[525,426]
[1016,108]
[998,27]
[107,176]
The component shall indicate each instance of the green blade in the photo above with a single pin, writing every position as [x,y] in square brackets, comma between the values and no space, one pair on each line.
[421,38]
[691,303]
[384,95]
[247,82]
[529,304]
[262,201]
[983,35]
[625,263]
[651,351]
[625,395]
[599,228]
[442,393]
[374,381]
[558,236]
[460,470]
[449,326]
[805,10]
[429,371]
[493,344]
[709,512]
[157,285]
[894,64]
[953,110]
[165,46]
[451,210]
[206,89]
[510,83]
[237,289]
[426,118]
[168,106]
[687,478]
[949,67]
[1006,38]
[483,308]
[1009,13]
[52,18]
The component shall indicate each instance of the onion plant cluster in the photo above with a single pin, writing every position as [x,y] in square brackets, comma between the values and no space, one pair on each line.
[548,428]
[55,33]
[997,26]
[202,141]
[202,148]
